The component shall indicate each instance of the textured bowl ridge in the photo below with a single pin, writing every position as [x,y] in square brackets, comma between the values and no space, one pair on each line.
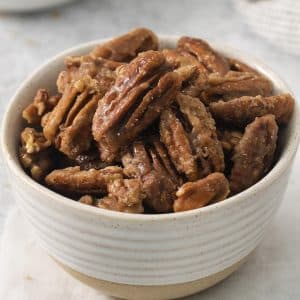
[146,250]
[149,254]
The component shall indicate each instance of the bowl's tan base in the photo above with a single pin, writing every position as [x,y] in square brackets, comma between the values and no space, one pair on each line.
[157,292]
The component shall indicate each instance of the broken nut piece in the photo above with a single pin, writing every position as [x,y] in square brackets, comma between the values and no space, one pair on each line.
[124,195]
[33,141]
[41,104]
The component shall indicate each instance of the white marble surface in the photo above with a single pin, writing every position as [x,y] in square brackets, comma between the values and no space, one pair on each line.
[273,271]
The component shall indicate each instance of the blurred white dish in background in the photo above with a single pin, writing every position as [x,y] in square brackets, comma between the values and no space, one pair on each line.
[29,5]
[276,20]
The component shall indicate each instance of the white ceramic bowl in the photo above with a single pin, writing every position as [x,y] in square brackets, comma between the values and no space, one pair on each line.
[146,256]
[29,5]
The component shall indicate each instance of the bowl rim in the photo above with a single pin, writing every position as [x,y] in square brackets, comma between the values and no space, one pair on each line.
[279,168]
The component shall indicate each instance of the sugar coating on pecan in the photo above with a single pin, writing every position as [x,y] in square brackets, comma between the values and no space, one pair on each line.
[103,70]
[76,138]
[69,124]
[254,154]
[244,110]
[176,140]
[141,91]
[234,85]
[192,72]
[74,180]
[33,141]
[210,189]
[157,182]
[212,60]
[41,104]
[203,135]
[126,47]
[124,195]
[74,97]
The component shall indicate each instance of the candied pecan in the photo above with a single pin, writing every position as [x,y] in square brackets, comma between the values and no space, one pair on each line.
[234,85]
[210,189]
[229,138]
[175,138]
[212,60]
[103,70]
[77,138]
[202,134]
[33,141]
[254,154]
[124,195]
[74,180]
[73,98]
[38,164]
[126,47]
[192,72]
[157,182]
[244,110]
[163,156]
[41,104]
[69,124]
[142,90]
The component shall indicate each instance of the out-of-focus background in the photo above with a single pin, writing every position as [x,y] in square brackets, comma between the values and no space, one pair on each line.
[27,40]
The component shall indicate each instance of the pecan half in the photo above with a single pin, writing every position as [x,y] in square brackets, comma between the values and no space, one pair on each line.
[142,90]
[175,138]
[203,134]
[158,183]
[103,70]
[254,154]
[73,180]
[212,60]
[126,47]
[210,189]
[192,140]
[192,72]
[124,195]
[234,85]
[69,124]
[77,138]
[244,110]
[41,104]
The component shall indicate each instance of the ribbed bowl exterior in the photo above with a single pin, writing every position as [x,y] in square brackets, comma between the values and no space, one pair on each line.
[145,249]
[167,251]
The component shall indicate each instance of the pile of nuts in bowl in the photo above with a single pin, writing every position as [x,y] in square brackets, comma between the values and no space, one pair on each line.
[139,129]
